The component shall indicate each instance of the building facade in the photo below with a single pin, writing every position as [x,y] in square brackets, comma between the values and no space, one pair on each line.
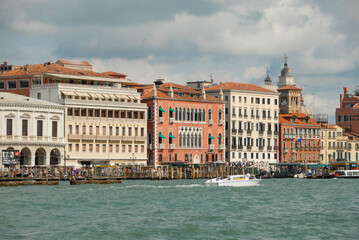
[103,124]
[299,139]
[33,127]
[347,115]
[184,125]
[251,121]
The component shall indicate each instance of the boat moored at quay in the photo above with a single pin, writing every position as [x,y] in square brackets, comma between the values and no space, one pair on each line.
[353,173]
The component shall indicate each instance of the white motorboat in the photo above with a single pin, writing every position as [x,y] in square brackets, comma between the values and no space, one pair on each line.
[234,180]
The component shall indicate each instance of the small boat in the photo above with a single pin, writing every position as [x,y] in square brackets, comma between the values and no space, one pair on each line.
[354,173]
[234,180]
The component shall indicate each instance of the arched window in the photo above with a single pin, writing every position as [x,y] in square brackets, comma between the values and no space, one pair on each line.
[195,115]
[188,114]
[200,140]
[170,112]
[149,113]
[204,115]
[180,140]
[161,111]
[149,136]
[192,140]
[209,114]
[219,139]
[188,140]
[199,115]
[170,138]
[184,114]
[220,114]
[160,138]
[176,114]
[180,114]
[209,139]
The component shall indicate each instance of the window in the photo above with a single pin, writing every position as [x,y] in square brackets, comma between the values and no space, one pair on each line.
[12,84]
[90,147]
[38,95]
[25,127]
[39,128]
[2,85]
[149,113]
[9,127]
[83,147]
[54,128]
[24,83]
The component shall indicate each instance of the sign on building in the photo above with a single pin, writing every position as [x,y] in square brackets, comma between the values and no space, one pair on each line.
[10,157]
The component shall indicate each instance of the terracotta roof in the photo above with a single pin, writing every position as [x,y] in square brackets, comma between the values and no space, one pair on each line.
[49,67]
[180,93]
[239,86]
[286,118]
[74,62]
[289,87]
[114,74]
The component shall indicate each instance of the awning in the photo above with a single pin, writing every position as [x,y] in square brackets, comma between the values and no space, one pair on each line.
[210,110]
[220,110]
[172,136]
[172,110]
[94,95]
[162,110]
[211,137]
[69,93]
[163,137]
[82,94]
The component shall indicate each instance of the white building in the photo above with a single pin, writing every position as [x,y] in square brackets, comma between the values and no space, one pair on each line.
[34,127]
[103,124]
[251,114]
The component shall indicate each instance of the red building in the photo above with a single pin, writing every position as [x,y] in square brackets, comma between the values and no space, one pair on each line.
[299,139]
[184,125]
[347,115]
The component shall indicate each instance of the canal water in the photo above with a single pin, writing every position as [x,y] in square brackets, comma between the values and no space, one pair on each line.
[182,209]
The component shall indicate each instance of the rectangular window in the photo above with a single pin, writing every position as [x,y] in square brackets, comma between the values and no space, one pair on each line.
[142,148]
[136,148]
[97,147]
[110,148]
[90,112]
[54,128]
[70,147]
[117,148]
[77,147]
[90,147]
[24,83]
[39,128]
[123,148]
[83,147]
[9,127]
[90,130]
[12,84]
[2,85]
[104,130]
[117,131]
[129,148]
[25,127]
[70,129]
[97,130]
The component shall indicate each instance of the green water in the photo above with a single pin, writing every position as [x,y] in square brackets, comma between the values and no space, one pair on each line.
[182,209]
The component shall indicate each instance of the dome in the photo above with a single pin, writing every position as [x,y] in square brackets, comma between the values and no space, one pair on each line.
[285,71]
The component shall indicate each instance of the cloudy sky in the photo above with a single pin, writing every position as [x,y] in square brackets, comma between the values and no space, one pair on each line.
[188,40]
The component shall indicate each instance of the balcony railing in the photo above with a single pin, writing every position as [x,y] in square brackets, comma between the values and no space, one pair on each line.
[211,146]
[269,148]
[210,121]
[240,131]
[261,132]
[172,146]
[269,132]
[234,131]
[161,119]
[220,122]
[260,148]
[222,147]
[172,120]
[249,131]
[161,146]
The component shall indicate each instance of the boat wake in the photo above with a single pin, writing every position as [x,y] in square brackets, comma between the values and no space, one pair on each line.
[159,186]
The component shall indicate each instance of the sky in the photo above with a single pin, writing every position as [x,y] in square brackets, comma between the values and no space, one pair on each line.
[189,40]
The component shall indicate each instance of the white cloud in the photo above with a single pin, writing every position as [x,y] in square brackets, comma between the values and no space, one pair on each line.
[253,73]
[322,104]
[33,27]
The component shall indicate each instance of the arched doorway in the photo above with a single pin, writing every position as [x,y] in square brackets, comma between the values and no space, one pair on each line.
[25,156]
[196,160]
[55,157]
[40,156]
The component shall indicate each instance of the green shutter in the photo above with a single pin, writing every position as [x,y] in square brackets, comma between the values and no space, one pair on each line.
[172,136]
[162,110]
[163,137]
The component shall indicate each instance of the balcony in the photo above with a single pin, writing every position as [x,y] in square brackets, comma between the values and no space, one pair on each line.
[260,148]
[261,132]
[252,116]
[234,131]
[240,131]
[74,137]
[210,121]
[86,137]
[245,116]
[275,132]
[240,147]
[211,146]
[161,119]
[269,117]
[115,138]
[140,139]
[249,131]
[172,120]
[264,117]
[257,117]
[269,148]
[102,137]
[222,147]
[161,146]
[249,147]
[269,132]
[220,122]
[172,146]
[127,138]
[149,146]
